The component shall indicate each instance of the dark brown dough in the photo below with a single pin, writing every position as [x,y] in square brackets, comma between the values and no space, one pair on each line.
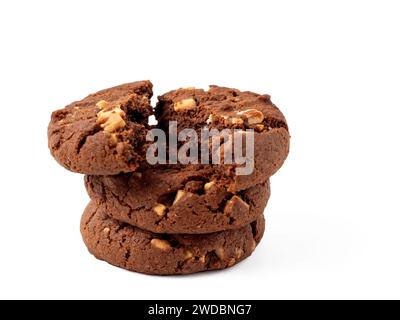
[184,199]
[105,133]
[137,250]
[225,108]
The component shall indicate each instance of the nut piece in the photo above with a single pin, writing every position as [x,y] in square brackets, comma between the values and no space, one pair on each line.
[232,120]
[210,119]
[236,121]
[227,119]
[202,259]
[102,104]
[253,245]
[185,104]
[220,252]
[209,185]
[238,252]
[236,206]
[114,139]
[188,255]
[138,175]
[111,120]
[252,116]
[106,230]
[231,262]
[160,209]
[160,244]
[260,127]
[178,196]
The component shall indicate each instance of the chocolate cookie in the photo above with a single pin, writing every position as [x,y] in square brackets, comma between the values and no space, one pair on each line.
[187,199]
[137,250]
[225,108]
[104,133]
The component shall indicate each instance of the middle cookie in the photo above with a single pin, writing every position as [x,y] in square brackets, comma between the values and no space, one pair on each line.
[177,200]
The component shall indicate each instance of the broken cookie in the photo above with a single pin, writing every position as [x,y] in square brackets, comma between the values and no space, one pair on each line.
[230,109]
[160,203]
[105,133]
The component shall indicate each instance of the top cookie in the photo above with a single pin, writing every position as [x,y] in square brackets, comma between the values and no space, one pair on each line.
[220,108]
[105,133]
[225,108]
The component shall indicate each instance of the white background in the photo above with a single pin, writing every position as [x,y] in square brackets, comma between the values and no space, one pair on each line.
[333,224]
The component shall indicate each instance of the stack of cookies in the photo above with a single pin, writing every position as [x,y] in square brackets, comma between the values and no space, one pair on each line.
[169,218]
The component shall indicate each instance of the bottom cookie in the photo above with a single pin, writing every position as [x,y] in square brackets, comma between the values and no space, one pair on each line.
[138,250]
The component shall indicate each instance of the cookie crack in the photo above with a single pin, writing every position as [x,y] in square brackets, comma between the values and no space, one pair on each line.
[123,203]
[62,140]
[127,256]
[83,139]
[92,215]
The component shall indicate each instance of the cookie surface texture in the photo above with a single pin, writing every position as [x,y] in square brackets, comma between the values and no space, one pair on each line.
[137,250]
